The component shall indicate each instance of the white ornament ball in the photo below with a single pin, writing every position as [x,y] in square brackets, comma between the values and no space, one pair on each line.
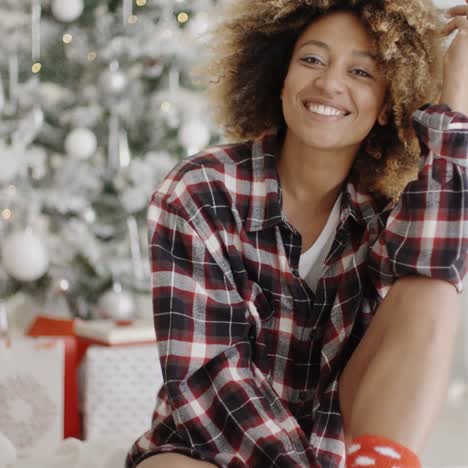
[116,304]
[24,256]
[113,82]
[194,135]
[67,10]
[81,143]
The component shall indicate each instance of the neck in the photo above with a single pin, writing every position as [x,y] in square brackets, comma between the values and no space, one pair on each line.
[313,177]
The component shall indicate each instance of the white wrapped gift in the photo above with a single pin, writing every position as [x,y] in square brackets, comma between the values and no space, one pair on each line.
[31,393]
[119,387]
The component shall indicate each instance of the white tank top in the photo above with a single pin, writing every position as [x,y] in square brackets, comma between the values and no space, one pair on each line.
[312,261]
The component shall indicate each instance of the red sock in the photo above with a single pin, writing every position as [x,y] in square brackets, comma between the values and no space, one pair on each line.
[380,452]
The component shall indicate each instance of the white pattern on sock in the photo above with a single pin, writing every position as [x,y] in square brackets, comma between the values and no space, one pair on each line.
[364,461]
[388,451]
[354,448]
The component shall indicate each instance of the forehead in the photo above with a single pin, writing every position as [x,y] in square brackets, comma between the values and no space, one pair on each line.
[340,29]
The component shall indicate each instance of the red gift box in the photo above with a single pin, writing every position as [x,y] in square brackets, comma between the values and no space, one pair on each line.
[64,330]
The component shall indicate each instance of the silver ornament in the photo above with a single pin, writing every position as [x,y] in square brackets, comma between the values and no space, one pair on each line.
[116,303]
[113,82]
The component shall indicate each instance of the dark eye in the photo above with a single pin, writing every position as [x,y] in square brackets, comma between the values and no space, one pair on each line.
[311,60]
[363,73]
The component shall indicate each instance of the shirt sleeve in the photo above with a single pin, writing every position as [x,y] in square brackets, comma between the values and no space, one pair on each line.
[223,407]
[426,232]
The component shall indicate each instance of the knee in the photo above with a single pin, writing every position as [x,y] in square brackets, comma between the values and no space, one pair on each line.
[174,460]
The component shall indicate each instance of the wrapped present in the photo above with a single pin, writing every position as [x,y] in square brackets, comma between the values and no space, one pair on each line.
[119,389]
[32,393]
[64,329]
[108,332]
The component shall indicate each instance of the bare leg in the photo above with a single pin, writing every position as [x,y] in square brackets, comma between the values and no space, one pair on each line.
[174,460]
[395,382]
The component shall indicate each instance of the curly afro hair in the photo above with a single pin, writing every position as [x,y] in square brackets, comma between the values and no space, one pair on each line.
[250,55]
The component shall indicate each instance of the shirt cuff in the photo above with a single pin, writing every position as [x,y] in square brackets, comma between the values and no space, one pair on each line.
[443,132]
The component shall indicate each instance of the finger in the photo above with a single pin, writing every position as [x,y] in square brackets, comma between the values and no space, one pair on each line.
[459,10]
[460,24]
[457,23]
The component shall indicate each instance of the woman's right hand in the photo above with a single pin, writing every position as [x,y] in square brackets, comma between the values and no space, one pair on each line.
[454,88]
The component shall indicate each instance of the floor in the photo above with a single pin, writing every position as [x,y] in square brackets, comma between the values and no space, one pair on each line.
[448,444]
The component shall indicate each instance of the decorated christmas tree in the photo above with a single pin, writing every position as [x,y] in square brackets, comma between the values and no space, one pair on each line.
[97,104]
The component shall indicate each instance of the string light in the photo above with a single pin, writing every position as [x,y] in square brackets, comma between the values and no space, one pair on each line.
[6,214]
[166,106]
[67,38]
[91,56]
[132,19]
[182,17]
[36,67]
[64,285]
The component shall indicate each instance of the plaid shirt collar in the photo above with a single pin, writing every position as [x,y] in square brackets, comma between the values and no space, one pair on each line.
[265,197]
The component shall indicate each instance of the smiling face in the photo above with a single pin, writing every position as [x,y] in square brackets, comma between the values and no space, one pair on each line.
[334,92]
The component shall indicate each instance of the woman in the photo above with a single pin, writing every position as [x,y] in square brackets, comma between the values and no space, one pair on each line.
[298,274]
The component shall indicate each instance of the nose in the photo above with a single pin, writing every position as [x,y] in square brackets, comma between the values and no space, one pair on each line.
[330,80]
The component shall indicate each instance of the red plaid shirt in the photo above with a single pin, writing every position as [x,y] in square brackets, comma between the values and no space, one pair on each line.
[249,354]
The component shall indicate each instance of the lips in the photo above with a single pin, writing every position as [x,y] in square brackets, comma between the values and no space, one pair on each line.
[324,102]
[324,118]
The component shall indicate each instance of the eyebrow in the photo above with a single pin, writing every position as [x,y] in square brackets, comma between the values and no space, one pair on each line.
[360,53]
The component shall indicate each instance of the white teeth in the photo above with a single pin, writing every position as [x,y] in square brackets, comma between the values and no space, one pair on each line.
[324,110]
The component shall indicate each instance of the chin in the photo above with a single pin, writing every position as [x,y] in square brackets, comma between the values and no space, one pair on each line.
[322,143]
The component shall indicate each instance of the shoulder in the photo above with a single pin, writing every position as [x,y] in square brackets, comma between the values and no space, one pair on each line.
[208,179]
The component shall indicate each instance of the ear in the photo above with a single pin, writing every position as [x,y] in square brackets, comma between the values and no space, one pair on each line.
[384,115]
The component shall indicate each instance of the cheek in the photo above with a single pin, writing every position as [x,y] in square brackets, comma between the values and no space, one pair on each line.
[370,105]
[288,95]
[294,82]
[374,97]
[287,90]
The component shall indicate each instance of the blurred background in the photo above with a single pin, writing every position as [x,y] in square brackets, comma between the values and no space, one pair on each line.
[97,104]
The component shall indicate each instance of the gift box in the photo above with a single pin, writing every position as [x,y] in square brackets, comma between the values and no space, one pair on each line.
[32,393]
[120,376]
[119,389]
[85,344]
[108,332]
[63,329]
